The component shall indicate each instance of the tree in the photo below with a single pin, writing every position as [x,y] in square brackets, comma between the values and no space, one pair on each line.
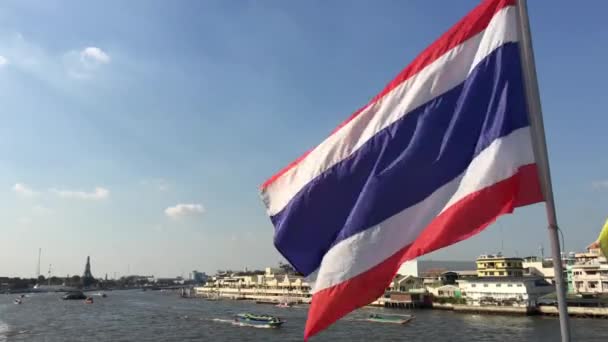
[74,280]
[287,268]
[18,284]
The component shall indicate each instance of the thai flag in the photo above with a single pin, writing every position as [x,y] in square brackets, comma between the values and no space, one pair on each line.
[433,159]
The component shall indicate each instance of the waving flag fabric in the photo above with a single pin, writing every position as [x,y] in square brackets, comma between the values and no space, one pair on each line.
[433,159]
[603,239]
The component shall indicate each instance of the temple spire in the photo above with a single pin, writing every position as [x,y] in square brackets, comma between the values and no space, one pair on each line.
[87,277]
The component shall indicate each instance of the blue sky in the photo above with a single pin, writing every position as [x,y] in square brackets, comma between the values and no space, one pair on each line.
[115,113]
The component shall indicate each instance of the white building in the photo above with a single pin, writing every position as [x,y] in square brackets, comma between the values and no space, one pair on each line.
[420,268]
[505,291]
[269,286]
[405,283]
[590,273]
[539,267]
[445,291]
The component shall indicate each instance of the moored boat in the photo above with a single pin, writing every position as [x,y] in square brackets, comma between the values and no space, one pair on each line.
[259,320]
[395,319]
[17,301]
[283,305]
[89,300]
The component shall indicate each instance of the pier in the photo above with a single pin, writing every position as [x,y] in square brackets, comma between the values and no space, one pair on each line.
[581,312]
[398,304]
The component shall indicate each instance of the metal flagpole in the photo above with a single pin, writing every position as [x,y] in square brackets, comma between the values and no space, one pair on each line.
[542,161]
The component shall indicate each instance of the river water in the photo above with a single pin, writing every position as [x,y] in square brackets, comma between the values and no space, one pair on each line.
[158,316]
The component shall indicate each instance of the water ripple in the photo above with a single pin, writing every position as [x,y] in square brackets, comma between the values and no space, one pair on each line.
[152,316]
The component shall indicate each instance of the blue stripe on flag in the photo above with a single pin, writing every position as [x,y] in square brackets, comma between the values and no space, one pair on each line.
[415,156]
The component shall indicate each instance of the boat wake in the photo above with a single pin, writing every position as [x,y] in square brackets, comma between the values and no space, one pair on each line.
[4,331]
[241,324]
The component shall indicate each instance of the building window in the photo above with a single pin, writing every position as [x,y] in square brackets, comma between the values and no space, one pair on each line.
[485,285]
[510,285]
[473,285]
[498,285]
[519,285]
[501,273]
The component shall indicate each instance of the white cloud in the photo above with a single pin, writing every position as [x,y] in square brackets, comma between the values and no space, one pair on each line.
[601,184]
[24,190]
[52,68]
[94,54]
[29,58]
[181,210]
[83,64]
[98,194]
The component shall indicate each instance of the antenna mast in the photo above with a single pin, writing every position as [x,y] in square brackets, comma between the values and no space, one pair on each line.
[38,267]
[49,274]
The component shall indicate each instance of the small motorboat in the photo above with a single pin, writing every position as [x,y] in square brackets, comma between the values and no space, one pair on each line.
[283,305]
[74,295]
[89,300]
[17,301]
[259,320]
[395,319]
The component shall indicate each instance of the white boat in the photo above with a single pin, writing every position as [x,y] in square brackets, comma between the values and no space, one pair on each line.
[394,319]
[52,288]
[286,302]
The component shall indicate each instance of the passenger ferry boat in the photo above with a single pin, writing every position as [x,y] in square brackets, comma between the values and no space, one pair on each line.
[395,319]
[259,320]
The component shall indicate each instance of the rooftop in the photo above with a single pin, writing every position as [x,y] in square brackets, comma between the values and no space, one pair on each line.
[463,273]
[497,257]
[591,265]
[504,279]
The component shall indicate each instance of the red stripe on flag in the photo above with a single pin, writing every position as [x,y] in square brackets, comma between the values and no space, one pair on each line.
[464,219]
[473,23]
